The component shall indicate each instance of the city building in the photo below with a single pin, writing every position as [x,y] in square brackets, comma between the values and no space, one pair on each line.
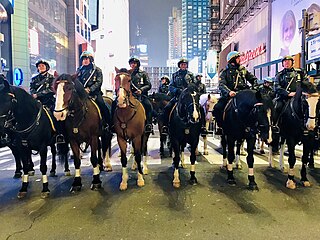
[195,29]
[139,47]
[155,73]
[111,39]
[175,34]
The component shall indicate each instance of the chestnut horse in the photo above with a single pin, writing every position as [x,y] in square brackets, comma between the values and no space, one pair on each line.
[83,124]
[129,122]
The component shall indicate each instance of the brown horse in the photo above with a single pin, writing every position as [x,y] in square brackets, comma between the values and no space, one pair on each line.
[83,125]
[129,122]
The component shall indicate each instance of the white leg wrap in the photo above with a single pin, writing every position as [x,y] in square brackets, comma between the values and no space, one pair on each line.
[44,178]
[291,172]
[193,168]
[176,176]
[96,171]
[229,167]
[25,178]
[250,171]
[78,173]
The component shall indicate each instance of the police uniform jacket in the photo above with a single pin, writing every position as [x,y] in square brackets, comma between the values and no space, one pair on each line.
[180,80]
[201,87]
[91,77]
[235,78]
[41,85]
[140,80]
[163,88]
[286,81]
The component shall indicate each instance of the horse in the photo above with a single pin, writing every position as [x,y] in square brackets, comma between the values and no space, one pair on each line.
[295,123]
[32,127]
[207,101]
[83,124]
[185,127]
[159,101]
[129,122]
[246,114]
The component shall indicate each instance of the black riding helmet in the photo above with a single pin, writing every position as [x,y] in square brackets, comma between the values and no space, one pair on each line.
[43,62]
[134,60]
[183,60]
[166,78]
[87,54]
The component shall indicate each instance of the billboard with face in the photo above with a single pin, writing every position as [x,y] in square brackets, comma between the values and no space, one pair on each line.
[285,36]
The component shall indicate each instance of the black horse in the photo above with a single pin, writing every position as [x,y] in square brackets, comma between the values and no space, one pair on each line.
[32,127]
[297,123]
[246,114]
[159,101]
[185,126]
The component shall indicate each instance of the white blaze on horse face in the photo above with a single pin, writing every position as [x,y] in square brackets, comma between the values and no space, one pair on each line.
[121,94]
[269,140]
[312,102]
[58,114]
[195,113]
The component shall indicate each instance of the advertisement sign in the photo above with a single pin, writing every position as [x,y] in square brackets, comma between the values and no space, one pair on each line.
[212,56]
[285,36]
[313,48]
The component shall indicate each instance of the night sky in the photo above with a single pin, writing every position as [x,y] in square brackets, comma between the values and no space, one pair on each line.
[152,17]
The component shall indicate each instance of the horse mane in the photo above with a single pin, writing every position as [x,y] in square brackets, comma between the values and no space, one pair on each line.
[72,79]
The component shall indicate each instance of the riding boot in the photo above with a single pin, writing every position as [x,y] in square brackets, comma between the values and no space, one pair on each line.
[105,114]
[165,117]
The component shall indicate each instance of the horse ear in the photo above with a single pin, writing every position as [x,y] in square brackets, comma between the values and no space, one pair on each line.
[130,71]
[56,74]
[116,69]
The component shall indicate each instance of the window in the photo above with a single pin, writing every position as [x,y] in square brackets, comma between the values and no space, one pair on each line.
[78,23]
[77,4]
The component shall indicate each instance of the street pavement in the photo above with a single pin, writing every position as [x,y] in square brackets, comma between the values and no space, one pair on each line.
[209,210]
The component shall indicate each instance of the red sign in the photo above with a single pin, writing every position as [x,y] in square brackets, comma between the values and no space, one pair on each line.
[252,54]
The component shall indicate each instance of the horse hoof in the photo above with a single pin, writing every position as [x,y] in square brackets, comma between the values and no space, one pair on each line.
[17,175]
[252,186]
[193,182]
[306,183]
[95,186]
[262,151]
[52,174]
[22,195]
[205,153]
[44,195]
[176,184]
[183,165]
[31,173]
[108,169]
[140,183]
[123,186]
[67,173]
[291,184]
[231,182]
[238,166]
[145,171]
[75,189]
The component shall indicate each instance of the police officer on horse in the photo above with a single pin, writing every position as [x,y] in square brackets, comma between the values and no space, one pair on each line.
[164,85]
[180,81]
[285,87]
[91,77]
[140,85]
[232,79]
[201,87]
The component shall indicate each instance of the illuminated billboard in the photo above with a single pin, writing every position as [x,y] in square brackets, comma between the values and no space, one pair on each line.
[285,36]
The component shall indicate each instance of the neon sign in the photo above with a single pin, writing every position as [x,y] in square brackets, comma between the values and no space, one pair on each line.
[252,54]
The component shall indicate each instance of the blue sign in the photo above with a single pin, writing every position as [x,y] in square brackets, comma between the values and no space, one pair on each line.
[212,56]
[12,2]
[17,77]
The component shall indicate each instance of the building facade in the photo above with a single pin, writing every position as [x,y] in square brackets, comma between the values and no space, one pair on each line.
[155,74]
[175,34]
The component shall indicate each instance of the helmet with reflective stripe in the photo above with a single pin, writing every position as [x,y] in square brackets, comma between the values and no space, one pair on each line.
[268,79]
[183,60]
[134,60]
[232,55]
[43,62]
[166,77]
[87,54]
[288,57]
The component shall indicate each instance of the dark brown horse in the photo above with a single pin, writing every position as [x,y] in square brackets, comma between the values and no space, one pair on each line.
[83,125]
[129,122]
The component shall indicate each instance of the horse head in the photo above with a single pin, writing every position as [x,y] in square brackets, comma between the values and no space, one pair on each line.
[122,86]
[207,101]
[188,105]
[310,92]
[64,86]
[7,99]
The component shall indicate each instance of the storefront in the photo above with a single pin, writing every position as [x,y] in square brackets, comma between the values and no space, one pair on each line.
[6,9]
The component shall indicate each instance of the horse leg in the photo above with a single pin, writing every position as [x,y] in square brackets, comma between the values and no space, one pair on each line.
[271,157]
[43,169]
[25,178]
[145,155]
[281,156]
[193,179]
[54,162]
[230,144]
[183,165]
[250,161]
[106,149]
[307,149]
[291,184]
[76,185]
[137,157]
[224,152]
[17,159]
[205,140]
[262,148]
[176,160]
[96,182]
[123,150]
[238,153]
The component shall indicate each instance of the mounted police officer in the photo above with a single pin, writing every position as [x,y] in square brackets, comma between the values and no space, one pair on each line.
[41,85]
[91,77]
[232,79]
[267,87]
[285,86]
[201,87]
[164,85]
[140,85]
[180,81]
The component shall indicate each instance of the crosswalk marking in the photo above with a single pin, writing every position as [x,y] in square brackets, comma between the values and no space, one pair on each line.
[153,158]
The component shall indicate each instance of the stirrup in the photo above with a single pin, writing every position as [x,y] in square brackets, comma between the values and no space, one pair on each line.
[276,129]
[219,131]
[60,139]
[165,130]
[148,128]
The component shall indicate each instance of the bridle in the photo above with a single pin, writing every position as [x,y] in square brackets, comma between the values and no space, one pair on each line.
[188,117]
